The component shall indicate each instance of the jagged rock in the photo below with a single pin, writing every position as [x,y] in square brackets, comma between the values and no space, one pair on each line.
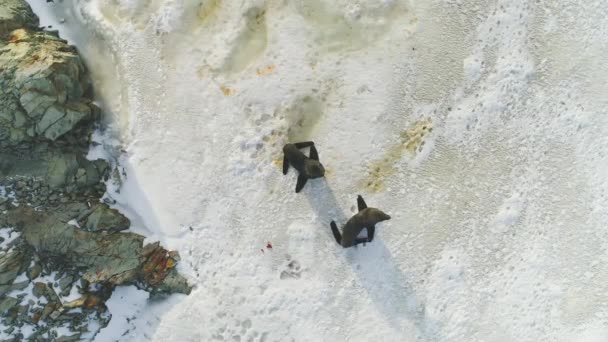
[159,272]
[55,314]
[7,303]
[115,258]
[65,284]
[11,264]
[102,217]
[75,337]
[20,285]
[34,271]
[89,301]
[174,283]
[39,289]
[16,14]
[54,168]
[45,81]
[46,120]
[48,309]
[51,295]
[22,311]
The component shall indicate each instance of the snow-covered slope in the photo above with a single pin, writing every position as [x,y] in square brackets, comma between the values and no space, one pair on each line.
[479,126]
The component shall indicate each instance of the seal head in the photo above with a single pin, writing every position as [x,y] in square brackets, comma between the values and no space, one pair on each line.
[314,169]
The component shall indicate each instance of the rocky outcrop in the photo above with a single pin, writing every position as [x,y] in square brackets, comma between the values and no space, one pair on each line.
[50,193]
[15,14]
[44,83]
[114,258]
[12,264]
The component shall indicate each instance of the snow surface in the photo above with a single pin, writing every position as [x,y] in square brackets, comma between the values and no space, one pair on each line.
[498,229]
[8,235]
[125,304]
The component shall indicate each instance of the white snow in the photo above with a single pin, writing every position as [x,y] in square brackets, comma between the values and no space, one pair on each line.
[8,235]
[498,229]
[8,194]
[126,303]
[74,223]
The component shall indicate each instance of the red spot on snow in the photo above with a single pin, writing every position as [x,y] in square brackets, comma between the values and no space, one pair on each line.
[269,246]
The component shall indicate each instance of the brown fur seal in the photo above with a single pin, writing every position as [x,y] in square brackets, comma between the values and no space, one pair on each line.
[365,218]
[308,167]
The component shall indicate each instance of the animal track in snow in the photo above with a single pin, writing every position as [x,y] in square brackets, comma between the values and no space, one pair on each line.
[352,26]
[250,43]
[293,269]
[138,13]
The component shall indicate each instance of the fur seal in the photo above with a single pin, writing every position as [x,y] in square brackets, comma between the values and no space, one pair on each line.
[365,218]
[308,167]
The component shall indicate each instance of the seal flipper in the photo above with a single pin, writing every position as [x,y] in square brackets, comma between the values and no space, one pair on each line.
[361,203]
[302,179]
[304,144]
[313,153]
[370,233]
[336,232]
[285,165]
[360,240]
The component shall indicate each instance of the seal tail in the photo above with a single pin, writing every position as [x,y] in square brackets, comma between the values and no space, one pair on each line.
[336,232]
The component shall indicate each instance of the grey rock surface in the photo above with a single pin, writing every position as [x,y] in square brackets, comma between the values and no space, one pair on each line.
[115,258]
[102,217]
[51,194]
[16,14]
[7,303]
[11,265]
[44,82]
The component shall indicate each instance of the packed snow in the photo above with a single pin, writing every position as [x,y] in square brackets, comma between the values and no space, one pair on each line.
[479,126]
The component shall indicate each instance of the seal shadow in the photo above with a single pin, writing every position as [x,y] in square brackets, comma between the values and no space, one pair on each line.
[377,270]
[389,288]
[324,203]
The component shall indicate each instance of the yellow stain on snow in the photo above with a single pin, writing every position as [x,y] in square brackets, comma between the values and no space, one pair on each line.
[411,140]
[226,90]
[278,161]
[267,70]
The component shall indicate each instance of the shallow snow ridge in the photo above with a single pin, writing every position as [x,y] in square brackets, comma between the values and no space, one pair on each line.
[499,204]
